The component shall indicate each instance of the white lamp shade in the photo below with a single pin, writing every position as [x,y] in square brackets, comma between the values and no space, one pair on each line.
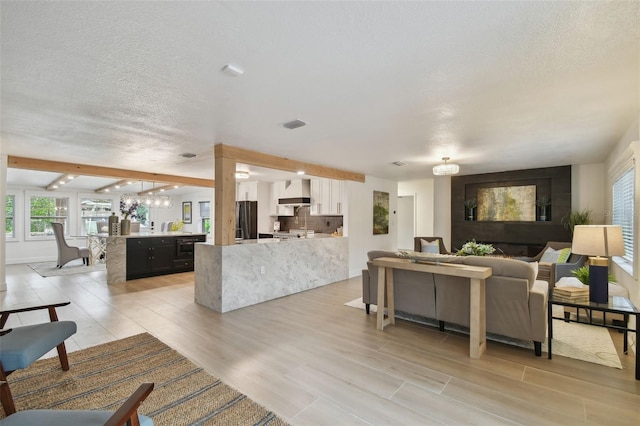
[598,240]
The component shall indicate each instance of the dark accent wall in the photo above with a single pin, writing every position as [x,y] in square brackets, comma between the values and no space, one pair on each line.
[513,238]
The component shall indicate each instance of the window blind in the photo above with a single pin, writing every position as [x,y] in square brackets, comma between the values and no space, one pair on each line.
[623,210]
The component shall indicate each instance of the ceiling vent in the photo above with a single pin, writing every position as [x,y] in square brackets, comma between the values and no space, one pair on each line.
[399,163]
[188,155]
[294,124]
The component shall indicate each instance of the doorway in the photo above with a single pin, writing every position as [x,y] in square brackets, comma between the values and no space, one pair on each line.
[406,222]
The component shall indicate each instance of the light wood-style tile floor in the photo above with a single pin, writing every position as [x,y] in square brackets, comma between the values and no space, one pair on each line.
[315,361]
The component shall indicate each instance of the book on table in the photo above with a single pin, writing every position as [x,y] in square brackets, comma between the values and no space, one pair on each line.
[571,292]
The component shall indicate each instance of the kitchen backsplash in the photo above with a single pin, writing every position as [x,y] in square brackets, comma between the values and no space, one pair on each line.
[319,224]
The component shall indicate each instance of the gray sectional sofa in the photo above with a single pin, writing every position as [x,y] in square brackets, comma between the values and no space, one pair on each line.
[516,303]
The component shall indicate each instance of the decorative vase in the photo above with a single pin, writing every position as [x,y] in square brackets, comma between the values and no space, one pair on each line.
[543,214]
[125,227]
[470,217]
[113,224]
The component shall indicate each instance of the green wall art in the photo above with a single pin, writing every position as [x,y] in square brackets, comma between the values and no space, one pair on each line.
[380,212]
[507,203]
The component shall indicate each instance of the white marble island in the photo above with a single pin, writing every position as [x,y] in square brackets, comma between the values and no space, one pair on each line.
[234,276]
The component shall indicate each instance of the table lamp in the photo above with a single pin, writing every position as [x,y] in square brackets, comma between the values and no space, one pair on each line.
[599,242]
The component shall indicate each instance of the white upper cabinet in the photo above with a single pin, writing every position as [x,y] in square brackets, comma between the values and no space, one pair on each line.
[326,197]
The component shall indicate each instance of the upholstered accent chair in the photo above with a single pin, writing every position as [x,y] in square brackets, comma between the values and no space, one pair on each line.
[418,245]
[127,414]
[67,253]
[553,271]
[21,346]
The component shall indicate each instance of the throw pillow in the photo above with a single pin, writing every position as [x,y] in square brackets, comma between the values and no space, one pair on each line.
[564,255]
[550,256]
[429,247]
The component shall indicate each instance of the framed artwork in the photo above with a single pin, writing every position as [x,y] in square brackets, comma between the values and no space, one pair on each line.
[508,203]
[380,213]
[186,211]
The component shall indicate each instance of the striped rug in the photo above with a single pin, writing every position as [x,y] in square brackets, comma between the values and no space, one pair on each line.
[102,377]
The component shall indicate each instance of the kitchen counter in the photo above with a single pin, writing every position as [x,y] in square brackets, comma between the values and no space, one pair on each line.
[235,276]
[282,237]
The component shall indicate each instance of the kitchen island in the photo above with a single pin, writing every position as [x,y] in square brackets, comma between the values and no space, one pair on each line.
[149,254]
[234,276]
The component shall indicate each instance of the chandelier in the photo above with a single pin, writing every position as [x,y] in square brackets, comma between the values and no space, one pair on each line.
[446,168]
[148,198]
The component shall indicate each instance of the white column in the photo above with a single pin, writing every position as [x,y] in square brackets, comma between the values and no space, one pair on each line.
[3,214]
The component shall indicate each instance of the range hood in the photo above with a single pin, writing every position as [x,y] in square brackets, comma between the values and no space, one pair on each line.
[296,193]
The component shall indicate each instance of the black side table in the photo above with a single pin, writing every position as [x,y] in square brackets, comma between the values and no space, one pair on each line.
[617,305]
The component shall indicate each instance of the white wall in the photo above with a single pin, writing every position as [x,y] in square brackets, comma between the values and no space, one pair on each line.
[588,182]
[442,209]
[625,151]
[423,195]
[358,224]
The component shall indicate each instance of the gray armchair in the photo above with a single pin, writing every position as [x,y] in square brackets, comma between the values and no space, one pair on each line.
[552,273]
[67,253]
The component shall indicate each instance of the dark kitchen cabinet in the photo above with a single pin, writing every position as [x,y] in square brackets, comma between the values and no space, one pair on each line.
[138,258]
[150,256]
[162,249]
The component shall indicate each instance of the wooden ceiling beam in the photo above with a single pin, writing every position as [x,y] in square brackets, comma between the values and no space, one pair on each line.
[260,159]
[100,171]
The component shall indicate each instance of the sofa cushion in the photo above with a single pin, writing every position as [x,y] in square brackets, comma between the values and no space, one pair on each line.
[505,267]
[374,254]
[430,246]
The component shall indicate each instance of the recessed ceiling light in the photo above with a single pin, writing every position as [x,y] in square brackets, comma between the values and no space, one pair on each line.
[187,155]
[241,174]
[300,172]
[294,124]
[232,70]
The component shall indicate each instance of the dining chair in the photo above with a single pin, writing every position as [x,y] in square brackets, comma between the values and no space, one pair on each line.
[22,346]
[67,253]
[127,414]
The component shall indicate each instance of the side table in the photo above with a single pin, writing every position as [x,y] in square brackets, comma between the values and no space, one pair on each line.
[617,305]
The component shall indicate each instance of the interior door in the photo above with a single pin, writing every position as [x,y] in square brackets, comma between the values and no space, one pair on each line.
[406,222]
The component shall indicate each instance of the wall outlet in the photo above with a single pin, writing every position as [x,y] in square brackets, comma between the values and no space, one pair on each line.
[263,269]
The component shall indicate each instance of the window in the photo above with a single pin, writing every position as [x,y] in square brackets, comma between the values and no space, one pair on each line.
[43,211]
[205,216]
[623,210]
[10,210]
[92,211]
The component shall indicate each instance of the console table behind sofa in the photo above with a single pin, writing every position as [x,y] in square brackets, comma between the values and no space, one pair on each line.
[515,302]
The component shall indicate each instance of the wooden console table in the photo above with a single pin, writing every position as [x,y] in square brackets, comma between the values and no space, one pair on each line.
[477,306]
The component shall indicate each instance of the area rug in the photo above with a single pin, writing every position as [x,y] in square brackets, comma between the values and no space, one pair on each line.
[49,269]
[102,377]
[572,340]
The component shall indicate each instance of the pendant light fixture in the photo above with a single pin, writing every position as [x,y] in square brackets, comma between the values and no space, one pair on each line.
[446,168]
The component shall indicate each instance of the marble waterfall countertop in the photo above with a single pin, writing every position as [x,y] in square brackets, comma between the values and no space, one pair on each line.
[235,276]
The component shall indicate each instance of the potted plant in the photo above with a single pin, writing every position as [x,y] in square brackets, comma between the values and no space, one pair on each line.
[472,248]
[582,274]
[470,205]
[575,217]
[542,203]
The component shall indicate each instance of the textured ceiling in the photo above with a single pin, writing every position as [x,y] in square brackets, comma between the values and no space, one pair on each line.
[493,85]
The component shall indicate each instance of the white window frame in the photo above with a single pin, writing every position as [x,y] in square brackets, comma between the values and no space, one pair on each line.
[17,213]
[115,207]
[628,261]
[71,215]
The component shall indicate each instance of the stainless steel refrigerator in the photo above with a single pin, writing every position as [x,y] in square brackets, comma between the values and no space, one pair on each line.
[246,220]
